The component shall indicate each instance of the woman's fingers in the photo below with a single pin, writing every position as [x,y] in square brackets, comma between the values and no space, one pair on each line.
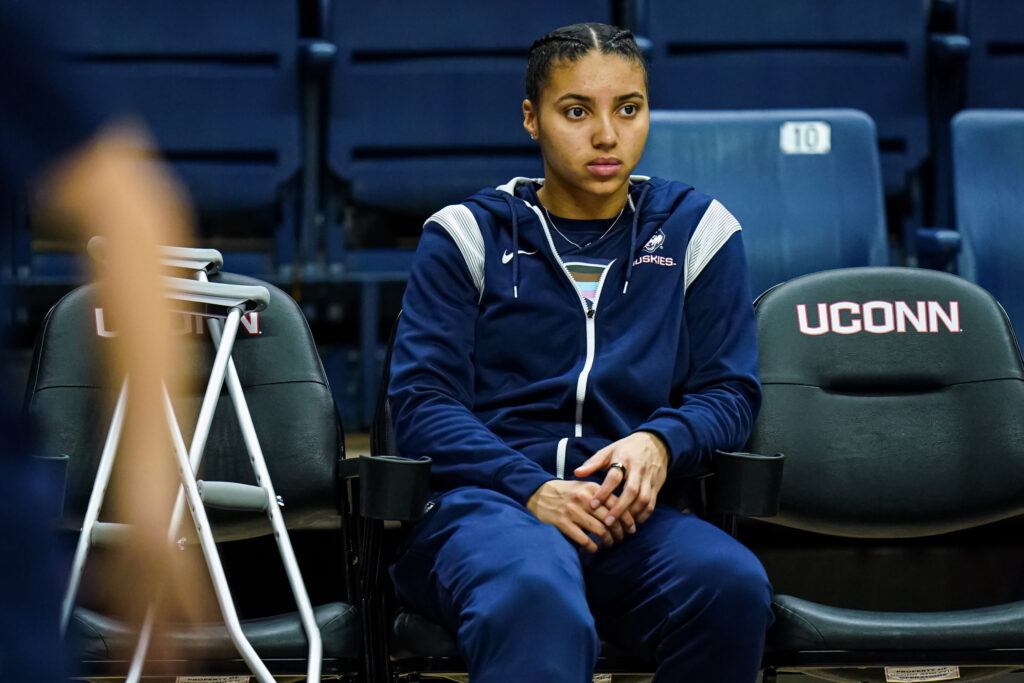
[644,504]
[612,479]
[618,530]
[626,520]
[597,461]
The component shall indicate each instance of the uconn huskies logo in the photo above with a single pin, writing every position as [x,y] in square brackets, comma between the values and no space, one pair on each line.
[879,317]
[183,324]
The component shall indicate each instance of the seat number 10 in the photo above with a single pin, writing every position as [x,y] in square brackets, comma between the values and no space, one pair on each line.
[805,137]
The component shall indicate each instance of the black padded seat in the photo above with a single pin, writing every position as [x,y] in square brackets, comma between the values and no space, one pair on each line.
[285,387]
[100,637]
[897,396]
[414,636]
[299,431]
[808,625]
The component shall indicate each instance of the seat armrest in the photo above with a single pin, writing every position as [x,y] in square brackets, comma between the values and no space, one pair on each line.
[391,488]
[937,241]
[746,484]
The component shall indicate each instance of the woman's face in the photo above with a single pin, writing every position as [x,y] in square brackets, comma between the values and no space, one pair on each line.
[591,123]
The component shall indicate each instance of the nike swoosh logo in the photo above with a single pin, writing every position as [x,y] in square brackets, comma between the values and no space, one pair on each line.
[507,256]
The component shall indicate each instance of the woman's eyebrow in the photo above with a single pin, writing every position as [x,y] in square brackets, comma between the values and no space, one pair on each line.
[635,95]
[574,96]
[589,100]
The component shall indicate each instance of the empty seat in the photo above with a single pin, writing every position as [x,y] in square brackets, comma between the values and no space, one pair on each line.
[805,185]
[218,85]
[736,54]
[988,172]
[897,396]
[425,100]
[995,67]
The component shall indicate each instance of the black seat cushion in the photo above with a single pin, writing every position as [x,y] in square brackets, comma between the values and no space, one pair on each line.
[413,636]
[805,625]
[99,637]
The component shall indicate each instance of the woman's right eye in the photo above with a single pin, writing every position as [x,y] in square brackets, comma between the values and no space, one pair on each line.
[575,112]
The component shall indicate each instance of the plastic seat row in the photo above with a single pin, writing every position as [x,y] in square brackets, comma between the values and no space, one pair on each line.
[235,97]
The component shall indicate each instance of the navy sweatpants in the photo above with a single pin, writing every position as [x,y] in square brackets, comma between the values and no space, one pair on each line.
[528,606]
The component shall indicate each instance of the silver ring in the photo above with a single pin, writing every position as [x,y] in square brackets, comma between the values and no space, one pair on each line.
[620,467]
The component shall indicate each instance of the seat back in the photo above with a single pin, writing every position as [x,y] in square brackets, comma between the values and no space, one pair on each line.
[805,185]
[897,396]
[736,54]
[988,167]
[425,100]
[285,388]
[994,65]
[218,85]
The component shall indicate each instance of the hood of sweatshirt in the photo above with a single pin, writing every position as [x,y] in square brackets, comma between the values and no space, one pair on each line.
[651,201]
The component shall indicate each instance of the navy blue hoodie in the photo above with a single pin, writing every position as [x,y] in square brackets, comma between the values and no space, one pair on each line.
[507,376]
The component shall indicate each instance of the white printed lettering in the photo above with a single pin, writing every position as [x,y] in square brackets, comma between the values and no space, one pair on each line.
[801,316]
[903,315]
[251,322]
[835,311]
[879,317]
[870,325]
[101,328]
[951,321]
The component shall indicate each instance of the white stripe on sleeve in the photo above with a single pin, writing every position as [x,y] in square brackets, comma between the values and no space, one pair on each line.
[714,230]
[460,223]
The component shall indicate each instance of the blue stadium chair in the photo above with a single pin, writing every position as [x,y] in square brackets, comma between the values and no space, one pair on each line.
[988,167]
[424,109]
[994,66]
[218,83]
[736,54]
[805,203]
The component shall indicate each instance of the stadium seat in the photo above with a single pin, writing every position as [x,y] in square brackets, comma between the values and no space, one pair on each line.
[988,167]
[297,426]
[219,86]
[804,184]
[994,66]
[736,54]
[897,396]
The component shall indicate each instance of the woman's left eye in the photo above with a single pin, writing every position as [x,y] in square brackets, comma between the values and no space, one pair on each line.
[629,109]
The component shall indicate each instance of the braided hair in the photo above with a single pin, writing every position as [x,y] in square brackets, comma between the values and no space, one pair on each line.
[571,43]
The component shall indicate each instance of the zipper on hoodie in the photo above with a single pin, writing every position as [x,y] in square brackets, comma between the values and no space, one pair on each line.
[590,312]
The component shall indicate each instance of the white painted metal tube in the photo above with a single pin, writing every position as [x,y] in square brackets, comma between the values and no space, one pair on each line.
[92,512]
[274,513]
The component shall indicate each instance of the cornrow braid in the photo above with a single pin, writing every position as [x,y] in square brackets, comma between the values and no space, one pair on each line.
[571,43]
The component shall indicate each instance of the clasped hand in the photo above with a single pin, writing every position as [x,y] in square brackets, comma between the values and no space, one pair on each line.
[579,508]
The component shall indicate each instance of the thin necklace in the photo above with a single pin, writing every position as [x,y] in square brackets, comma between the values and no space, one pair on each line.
[584,246]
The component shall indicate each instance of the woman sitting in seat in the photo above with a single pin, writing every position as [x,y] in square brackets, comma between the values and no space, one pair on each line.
[572,349]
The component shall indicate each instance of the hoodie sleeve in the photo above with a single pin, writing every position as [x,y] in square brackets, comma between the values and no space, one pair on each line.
[716,406]
[432,379]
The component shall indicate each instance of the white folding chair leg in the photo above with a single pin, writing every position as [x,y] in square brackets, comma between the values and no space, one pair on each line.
[284,544]
[92,512]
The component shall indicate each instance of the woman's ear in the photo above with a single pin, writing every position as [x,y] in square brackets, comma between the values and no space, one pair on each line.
[530,119]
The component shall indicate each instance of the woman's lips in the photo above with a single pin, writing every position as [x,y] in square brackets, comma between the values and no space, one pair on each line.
[604,167]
